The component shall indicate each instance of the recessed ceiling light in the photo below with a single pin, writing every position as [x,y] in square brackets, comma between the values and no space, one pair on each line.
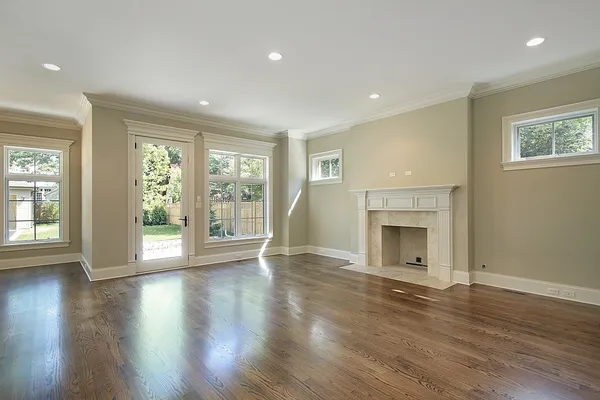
[375,96]
[275,56]
[203,102]
[535,41]
[51,67]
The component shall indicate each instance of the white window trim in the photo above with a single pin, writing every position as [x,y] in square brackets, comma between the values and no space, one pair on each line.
[313,164]
[37,143]
[510,156]
[228,144]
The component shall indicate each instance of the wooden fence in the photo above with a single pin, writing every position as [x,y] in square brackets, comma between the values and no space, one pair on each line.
[252,214]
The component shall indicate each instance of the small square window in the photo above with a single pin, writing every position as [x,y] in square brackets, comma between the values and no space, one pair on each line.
[326,167]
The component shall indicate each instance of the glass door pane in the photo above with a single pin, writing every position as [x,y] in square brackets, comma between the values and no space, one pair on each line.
[162,211]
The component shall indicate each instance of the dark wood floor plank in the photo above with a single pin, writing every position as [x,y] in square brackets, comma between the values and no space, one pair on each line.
[286,328]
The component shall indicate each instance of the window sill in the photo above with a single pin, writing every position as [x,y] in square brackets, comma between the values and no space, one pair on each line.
[236,242]
[33,246]
[551,162]
[326,181]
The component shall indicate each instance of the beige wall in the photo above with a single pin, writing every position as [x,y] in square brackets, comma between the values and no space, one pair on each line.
[86,189]
[284,222]
[296,219]
[431,142]
[74,183]
[539,223]
[110,186]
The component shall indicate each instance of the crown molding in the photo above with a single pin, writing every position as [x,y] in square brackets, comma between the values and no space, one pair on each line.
[145,109]
[23,117]
[83,109]
[441,97]
[292,134]
[537,75]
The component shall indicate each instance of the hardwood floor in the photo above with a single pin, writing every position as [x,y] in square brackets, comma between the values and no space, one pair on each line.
[286,327]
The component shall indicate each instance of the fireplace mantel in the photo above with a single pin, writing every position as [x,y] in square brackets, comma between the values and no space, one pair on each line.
[437,198]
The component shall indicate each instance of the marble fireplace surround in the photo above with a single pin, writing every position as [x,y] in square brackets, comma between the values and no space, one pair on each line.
[422,207]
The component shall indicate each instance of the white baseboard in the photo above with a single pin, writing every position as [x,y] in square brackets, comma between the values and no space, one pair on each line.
[101,274]
[120,271]
[582,294]
[341,254]
[39,261]
[353,258]
[234,256]
[291,251]
[87,268]
[462,277]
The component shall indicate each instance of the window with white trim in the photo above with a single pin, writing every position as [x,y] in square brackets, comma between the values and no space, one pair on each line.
[565,135]
[326,167]
[238,189]
[34,190]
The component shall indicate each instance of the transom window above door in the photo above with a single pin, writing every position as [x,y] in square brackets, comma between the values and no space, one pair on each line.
[35,192]
[239,190]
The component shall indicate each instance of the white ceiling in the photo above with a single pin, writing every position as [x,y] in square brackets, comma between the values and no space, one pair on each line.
[336,52]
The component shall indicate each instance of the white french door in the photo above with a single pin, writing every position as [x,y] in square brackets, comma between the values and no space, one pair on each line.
[162,220]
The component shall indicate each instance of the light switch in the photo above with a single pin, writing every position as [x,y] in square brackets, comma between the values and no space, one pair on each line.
[392,174]
[198,204]
[408,173]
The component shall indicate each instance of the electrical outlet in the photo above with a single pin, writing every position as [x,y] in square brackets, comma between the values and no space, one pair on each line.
[554,292]
[483,266]
[392,174]
[408,173]
[569,293]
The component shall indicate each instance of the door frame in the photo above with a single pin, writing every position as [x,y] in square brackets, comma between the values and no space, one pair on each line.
[186,137]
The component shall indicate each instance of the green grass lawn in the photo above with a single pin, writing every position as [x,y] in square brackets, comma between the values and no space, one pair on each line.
[155,233]
[44,231]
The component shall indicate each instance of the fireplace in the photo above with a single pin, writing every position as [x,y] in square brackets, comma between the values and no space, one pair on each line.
[403,245]
[420,215]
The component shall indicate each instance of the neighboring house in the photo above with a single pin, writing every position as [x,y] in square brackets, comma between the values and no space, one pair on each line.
[21,208]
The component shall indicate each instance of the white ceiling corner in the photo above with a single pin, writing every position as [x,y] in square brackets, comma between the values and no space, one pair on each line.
[423,102]
[537,75]
[83,110]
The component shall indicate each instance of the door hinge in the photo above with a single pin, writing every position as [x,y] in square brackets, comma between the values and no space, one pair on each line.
[136,257]
[135,145]
[135,182]
[136,220]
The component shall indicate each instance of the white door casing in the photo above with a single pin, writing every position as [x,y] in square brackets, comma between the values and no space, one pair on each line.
[141,132]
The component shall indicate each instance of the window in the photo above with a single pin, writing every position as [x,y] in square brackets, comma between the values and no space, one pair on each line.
[35,184]
[565,135]
[326,167]
[238,189]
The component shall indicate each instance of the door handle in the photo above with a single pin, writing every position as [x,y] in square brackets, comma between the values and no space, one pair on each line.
[184,219]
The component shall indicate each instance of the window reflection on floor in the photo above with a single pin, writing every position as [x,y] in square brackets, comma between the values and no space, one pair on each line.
[34,316]
[238,323]
[161,337]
